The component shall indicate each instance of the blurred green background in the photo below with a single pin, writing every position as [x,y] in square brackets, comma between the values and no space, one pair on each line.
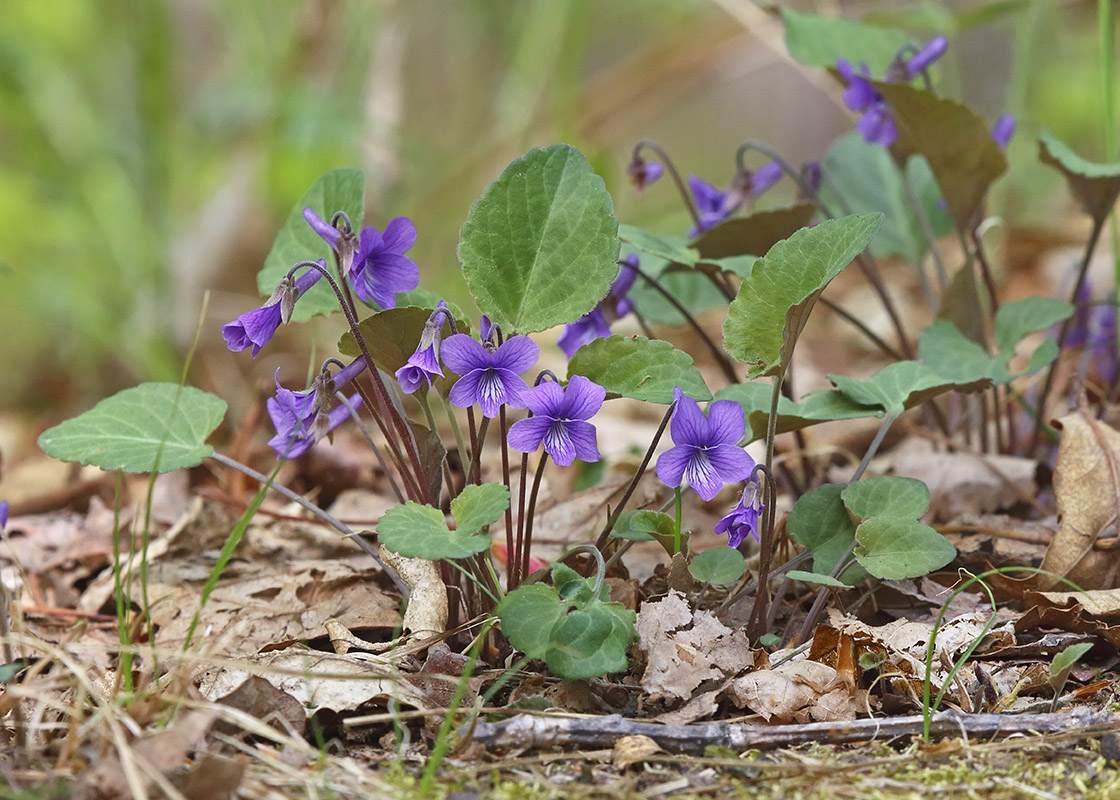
[150,149]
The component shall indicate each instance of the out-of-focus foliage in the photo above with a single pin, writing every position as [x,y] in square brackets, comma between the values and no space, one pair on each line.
[150,149]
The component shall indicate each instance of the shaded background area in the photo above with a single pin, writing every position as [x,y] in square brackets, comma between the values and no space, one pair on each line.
[150,149]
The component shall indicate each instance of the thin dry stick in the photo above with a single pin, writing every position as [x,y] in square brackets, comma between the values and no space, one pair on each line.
[525,732]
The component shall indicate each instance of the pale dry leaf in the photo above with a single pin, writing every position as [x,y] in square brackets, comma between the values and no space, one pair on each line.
[1086,489]
[969,483]
[635,749]
[426,614]
[685,648]
[1101,603]
[316,680]
[794,691]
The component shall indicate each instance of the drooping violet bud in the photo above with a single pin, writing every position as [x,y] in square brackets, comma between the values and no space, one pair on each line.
[485,327]
[642,173]
[810,185]
[743,519]
[920,61]
[255,328]
[711,205]
[423,365]
[706,454]
[303,418]
[1003,130]
[339,236]
[3,514]
[559,420]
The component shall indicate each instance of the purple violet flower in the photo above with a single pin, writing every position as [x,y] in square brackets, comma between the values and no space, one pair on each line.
[303,418]
[711,205]
[876,123]
[254,328]
[423,365]
[342,240]
[3,514]
[743,519]
[706,454]
[1003,130]
[596,323]
[489,378]
[559,420]
[381,269]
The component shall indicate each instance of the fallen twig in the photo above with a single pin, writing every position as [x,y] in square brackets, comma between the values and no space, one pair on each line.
[526,732]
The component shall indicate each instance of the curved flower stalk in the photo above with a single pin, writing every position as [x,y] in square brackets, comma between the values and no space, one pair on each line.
[303,418]
[706,453]
[490,378]
[559,420]
[255,328]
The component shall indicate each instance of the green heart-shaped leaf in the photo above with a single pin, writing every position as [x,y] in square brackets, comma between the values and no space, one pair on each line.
[478,506]
[416,531]
[640,368]
[718,565]
[893,548]
[902,385]
[540,246]
[132,429]
[886,495]
[820,521]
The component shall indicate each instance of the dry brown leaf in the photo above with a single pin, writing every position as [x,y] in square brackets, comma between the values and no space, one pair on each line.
[684,648]
[215,777]
[164,751]
[630,750]
[1086,482]
[316,680]
[969,483]
[800,690]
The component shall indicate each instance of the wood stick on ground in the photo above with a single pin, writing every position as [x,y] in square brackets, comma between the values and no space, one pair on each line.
[527,732]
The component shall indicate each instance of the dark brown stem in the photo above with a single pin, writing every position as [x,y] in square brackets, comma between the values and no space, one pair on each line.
[511,568]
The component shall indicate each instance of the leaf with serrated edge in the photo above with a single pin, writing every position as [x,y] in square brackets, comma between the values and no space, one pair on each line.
[774,301]
[590,643]
[824,405]
[416,531]
[336,190]
[718,565]
[478,506]
[887,495]
[130,429]
[540,246]
[640,368]
[955,141]
[902,385]
[1096,186]
[820,522]
[893,548]
[528,614]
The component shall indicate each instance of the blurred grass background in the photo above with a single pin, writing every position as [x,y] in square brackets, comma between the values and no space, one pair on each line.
[150,149]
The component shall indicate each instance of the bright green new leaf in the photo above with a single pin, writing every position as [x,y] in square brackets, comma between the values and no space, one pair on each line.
[773,304]
[893,548]
[867,179]
[640,368]
[825,405]
[815,577]
[337,190]
[886,496]
[1096,186]
[820,522]
[591,642]
[1064,661]
[1020,318]
[673,249]
[902,385]
[817,41]
[718,565]
[946,350]
[132,429]
[642,525]
[478,506]
[416,531]
[528,614]
[540,246]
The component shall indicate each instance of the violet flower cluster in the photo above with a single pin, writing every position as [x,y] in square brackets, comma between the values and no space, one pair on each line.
[303,418]
[715,205]
[876,122]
